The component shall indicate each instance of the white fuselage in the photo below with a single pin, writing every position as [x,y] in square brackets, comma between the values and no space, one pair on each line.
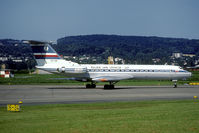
[100,72]
[138,71]
[47,59]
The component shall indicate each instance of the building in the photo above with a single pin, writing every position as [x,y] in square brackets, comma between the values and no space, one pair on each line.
[177,55]
[5,73]
[188,55]
[110,60]
[195,68]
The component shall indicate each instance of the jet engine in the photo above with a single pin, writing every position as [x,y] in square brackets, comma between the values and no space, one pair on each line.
[72,69]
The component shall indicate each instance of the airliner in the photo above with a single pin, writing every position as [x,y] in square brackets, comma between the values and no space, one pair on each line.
[48,60]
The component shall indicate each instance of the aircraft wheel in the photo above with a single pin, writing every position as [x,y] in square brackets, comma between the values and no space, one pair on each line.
[93,85]
[88,85]
[111,86]
[106,86]
[175,86]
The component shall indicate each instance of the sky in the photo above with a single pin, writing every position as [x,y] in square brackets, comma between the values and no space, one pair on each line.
[53,19]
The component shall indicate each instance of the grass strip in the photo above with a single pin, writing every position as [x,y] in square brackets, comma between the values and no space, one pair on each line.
[180,116]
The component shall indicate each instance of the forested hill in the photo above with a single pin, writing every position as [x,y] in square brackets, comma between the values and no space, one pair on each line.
[134,49]
[97,48]
[14,47]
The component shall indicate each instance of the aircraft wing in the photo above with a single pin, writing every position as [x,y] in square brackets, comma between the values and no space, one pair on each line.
[73,78]
[62,78]
[110,78]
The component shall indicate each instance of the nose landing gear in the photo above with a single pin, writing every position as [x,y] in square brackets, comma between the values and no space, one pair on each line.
[175,83]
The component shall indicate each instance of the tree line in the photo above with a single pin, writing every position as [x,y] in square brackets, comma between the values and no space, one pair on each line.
[133,49]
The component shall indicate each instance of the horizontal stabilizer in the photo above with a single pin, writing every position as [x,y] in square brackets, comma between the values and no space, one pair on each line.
[63,79]
[37,42]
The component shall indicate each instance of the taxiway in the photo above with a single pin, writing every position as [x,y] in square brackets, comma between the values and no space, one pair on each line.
[48,94]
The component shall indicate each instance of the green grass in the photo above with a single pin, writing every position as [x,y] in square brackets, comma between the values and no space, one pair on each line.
[38,79]
[122,117]
[48,79]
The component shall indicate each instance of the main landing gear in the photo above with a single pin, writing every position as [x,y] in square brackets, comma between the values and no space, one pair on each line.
[175,83]
[110,86]
[106,86]
[92,85]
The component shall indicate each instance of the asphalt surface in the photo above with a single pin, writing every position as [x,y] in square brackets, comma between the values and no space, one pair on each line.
[48,94]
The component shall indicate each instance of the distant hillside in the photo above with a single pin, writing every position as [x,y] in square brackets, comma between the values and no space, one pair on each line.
[14,48]
[96,49]
[134,49]
[15,54]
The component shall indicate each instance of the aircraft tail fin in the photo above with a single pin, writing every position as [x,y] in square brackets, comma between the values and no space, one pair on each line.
[43,52]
